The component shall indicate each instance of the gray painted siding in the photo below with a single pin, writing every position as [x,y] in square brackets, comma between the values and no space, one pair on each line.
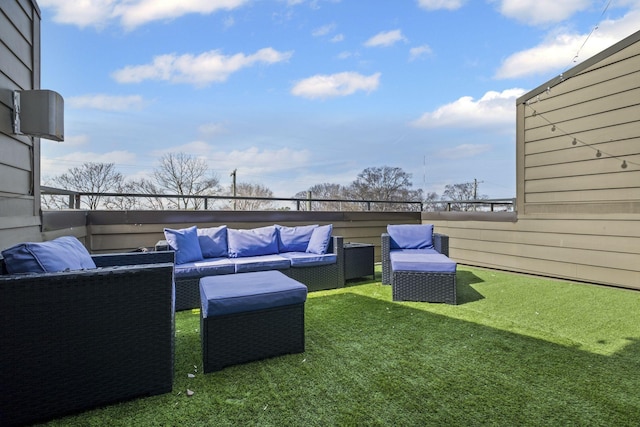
[19,164]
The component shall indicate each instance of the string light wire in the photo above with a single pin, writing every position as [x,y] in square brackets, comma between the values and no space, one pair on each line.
[593,30]
[574,141]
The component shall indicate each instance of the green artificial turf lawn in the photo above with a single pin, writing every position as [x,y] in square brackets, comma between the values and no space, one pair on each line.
[516,350]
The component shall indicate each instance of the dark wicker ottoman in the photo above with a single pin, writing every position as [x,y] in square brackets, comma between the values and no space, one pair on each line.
[424,286]
[250,316]
[423,277]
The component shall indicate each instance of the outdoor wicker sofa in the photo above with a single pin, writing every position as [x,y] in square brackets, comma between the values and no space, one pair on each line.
[416,264]
[74,340]
[316,275]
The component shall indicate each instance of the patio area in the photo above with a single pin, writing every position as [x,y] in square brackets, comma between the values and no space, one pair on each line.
[516,350]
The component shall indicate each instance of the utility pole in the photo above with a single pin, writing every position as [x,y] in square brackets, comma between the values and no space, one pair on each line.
[475,191]
[233,187]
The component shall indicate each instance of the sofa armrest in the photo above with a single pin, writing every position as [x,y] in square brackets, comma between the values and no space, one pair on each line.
[59,328]
[338,249]
[441,243]
[133,258]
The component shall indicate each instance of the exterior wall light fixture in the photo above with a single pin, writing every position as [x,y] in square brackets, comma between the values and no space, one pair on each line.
[38,113]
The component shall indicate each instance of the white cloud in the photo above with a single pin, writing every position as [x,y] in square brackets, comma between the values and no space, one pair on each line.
[340,84]
[385,38]
[200,70]
[107,102]
[54,166]
[324,30]
[536,12]
[212,129]
[256,161]
[558,51]
[419,52]
[440,4]
[131,13]
[493,109]
[252,161]
[337,38]
[463,150]
[74,140]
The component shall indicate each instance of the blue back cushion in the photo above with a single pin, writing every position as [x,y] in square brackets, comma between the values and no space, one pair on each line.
[320,238]
[63,253]
[213,241]
[252,242]
[185,243]
[411,236]
[294,239]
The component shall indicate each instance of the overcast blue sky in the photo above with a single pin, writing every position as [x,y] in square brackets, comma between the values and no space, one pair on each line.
[293,93]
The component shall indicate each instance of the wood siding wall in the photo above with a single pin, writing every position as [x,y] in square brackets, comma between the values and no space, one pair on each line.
[599,107]
[19,155]
[578,215]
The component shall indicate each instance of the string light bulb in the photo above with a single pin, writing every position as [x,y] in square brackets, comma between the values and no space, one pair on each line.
[624,164]
[574,142]
[598,154]
[553,128]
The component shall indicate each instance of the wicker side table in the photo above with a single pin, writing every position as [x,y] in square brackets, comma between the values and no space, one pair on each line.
[358,260]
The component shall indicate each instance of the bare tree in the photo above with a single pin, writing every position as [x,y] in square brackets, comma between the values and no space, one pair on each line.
[129,199]
[89,178]
[245,189]
[385,183]
[185,175]
[430,200]
[324,191]
[461,192]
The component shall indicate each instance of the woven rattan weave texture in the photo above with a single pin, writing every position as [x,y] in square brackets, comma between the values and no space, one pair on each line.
[75,340]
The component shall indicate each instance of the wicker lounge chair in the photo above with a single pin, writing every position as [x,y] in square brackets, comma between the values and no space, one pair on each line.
[75,340]
[418,283]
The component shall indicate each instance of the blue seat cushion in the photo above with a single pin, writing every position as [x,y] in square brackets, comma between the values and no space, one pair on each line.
[260,263]
[205,267]
[416,261]
[240,293]
[63,253]
[213,241]
[252,242]
[294,239]
[304,259]
[410,236]
[185,243]
[320,238]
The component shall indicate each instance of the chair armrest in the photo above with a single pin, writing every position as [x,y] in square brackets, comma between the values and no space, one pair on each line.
[386,261]
[338,249]
[441,243]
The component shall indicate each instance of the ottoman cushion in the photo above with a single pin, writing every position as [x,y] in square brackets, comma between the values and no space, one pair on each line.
[238,293]
[420,262]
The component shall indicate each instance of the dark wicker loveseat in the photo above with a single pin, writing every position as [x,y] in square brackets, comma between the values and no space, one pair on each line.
[74,340]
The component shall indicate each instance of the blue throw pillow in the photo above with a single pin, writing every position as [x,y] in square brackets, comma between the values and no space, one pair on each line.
[252,242]
[411,236]
[185,243]
[294,239]
[320,238]
[63,253]
[213,241]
